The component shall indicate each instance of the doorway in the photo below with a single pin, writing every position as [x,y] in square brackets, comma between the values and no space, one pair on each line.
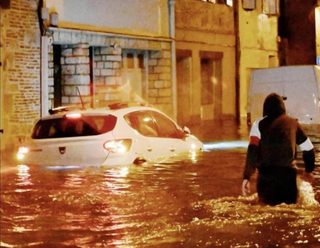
[184,90]
[134,74]
[211,88]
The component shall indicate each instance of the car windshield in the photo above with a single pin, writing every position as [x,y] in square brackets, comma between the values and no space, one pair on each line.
[73,126]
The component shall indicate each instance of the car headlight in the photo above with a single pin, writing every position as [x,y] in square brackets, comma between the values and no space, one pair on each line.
[22,152]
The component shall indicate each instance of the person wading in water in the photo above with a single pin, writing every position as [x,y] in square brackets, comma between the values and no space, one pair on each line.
[272,150]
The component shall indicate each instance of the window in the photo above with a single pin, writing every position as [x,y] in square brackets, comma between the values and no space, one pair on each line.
[228,2]
[134,73]
[167,128]
[271,7]
[143,122]
[140,58]
[153,124]
[71,127]
[130,60]
[133,59]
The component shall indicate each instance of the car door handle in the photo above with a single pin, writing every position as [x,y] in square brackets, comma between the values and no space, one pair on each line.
[149,149]
[172,149]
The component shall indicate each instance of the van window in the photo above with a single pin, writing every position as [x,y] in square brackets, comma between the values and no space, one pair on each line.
[64,127]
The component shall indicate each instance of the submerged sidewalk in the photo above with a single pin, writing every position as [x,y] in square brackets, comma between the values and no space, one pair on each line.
[221,130]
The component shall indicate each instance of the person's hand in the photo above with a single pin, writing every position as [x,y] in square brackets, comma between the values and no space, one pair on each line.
[246,187]
[308,177]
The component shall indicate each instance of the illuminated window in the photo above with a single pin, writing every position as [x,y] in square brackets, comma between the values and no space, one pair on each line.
[228,2]
[271,7]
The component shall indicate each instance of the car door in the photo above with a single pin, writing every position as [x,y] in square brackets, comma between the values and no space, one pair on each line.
[172,136]
[160,136]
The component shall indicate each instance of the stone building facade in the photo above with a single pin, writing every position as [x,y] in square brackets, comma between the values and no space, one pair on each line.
[205,60]
[257,44]
[192,59]
[272,33]
[53,56]
[92,68]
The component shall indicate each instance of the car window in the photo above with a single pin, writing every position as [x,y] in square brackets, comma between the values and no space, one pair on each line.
[143,122]
[167,128]
[83,125]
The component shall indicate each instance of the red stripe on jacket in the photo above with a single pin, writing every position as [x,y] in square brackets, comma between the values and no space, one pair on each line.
[254,140]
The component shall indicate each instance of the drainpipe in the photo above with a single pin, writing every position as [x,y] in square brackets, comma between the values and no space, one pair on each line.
[237,59]
[1,130]
[173,58]
[44,94]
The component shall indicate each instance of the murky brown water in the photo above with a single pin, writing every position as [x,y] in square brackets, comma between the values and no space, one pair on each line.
[191,201]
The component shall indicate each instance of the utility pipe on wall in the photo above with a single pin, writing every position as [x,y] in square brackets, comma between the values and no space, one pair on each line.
[173,58]
[44,76]
[238,58]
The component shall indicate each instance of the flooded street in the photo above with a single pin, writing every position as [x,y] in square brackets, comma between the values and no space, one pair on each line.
[189,201]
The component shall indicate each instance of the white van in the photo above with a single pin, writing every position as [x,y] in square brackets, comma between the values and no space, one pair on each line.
[298,85]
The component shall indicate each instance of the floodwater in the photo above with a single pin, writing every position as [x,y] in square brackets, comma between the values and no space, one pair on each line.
[189,201]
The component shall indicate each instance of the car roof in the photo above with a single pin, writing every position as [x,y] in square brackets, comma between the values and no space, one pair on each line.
[120,110]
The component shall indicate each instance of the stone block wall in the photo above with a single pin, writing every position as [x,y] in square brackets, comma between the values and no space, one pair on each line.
[107,66]
[75,72]
[160,79]
[107,74]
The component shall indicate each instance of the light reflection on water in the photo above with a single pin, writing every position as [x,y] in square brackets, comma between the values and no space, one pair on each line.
[193,202]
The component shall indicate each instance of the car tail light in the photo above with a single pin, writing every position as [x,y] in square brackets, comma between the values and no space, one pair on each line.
[21,152]
[118,146]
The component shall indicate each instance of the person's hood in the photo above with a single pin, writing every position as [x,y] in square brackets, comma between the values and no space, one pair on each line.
[273,106]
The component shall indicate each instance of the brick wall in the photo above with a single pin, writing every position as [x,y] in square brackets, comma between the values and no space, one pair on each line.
[20,72]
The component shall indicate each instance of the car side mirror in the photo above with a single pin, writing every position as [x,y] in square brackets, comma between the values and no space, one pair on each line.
[186,130]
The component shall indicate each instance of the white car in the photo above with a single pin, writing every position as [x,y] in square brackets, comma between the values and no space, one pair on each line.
[118,135]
